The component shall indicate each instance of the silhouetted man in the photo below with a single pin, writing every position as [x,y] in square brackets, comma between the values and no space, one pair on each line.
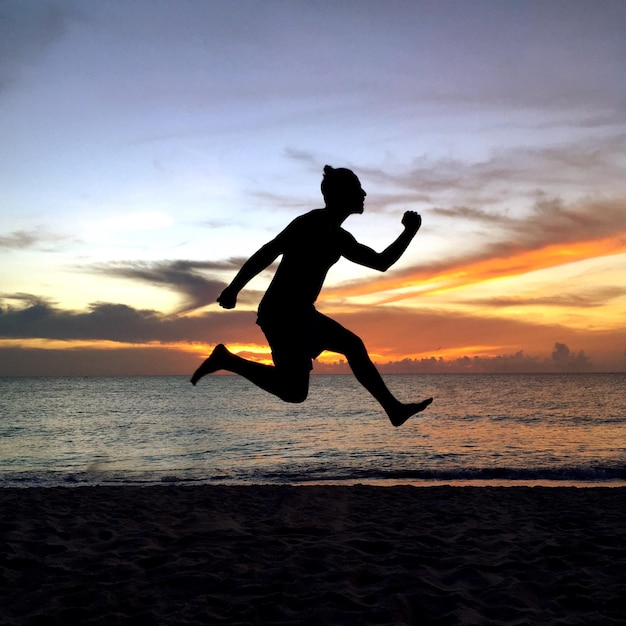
[295,330]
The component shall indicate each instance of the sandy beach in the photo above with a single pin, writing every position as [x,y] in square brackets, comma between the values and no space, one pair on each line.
[312,555]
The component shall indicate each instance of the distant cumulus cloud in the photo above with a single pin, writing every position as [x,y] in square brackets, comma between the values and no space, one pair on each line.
[562,355]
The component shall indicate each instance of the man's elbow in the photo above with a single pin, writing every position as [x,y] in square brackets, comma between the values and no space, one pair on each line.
[385,261]
[381,265]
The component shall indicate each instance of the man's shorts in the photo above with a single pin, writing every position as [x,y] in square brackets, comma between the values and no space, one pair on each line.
[295,337]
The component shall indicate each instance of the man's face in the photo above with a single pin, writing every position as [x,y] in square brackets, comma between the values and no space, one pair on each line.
[353,196]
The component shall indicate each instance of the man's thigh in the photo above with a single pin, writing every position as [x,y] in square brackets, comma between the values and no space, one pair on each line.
[332,336]
[291,343]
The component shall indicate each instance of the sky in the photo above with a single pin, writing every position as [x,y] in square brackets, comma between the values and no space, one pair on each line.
[149,147]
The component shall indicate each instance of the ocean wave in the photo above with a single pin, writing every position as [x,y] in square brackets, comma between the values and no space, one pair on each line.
[510,475]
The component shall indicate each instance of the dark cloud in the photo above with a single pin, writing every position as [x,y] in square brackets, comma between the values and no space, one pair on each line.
[183,277]
[122,323]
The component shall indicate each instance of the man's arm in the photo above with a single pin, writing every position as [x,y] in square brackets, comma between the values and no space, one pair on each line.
[382,261]
[253,266]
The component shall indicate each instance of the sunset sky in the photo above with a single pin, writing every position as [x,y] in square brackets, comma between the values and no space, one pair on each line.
[149,147]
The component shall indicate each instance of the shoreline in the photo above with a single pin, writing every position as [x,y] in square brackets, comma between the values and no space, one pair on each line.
[383,483]
[176,554]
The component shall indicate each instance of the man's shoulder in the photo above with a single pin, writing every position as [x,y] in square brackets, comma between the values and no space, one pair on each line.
[307,220]
[313,215]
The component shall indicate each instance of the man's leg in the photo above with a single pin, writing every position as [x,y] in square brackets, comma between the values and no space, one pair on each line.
[336,338]
[289,384]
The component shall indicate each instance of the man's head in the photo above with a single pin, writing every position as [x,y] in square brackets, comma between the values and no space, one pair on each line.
[342,189]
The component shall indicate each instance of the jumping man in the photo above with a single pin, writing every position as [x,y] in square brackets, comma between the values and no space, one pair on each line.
[295,330]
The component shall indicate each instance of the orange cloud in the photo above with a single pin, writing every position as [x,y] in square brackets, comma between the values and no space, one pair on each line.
[434,281]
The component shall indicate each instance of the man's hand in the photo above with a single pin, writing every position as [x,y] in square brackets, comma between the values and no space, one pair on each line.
[412,220]
[228,298]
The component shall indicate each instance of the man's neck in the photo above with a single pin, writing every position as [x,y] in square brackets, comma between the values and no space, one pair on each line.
[337,215]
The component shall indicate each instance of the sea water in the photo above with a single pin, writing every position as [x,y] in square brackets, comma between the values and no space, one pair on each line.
[494,429]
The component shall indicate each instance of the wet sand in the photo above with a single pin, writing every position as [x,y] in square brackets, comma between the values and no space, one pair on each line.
[312,555]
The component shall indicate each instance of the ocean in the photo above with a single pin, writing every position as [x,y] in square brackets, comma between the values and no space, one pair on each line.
[514,429]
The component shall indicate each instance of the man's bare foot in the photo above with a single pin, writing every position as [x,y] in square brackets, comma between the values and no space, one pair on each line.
[214,363]
[404,411]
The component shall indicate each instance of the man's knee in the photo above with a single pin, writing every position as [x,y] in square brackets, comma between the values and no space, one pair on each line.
[296,390]
[294,395]
[353,345]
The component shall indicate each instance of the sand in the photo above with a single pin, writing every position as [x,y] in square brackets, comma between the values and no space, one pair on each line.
[312,555]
